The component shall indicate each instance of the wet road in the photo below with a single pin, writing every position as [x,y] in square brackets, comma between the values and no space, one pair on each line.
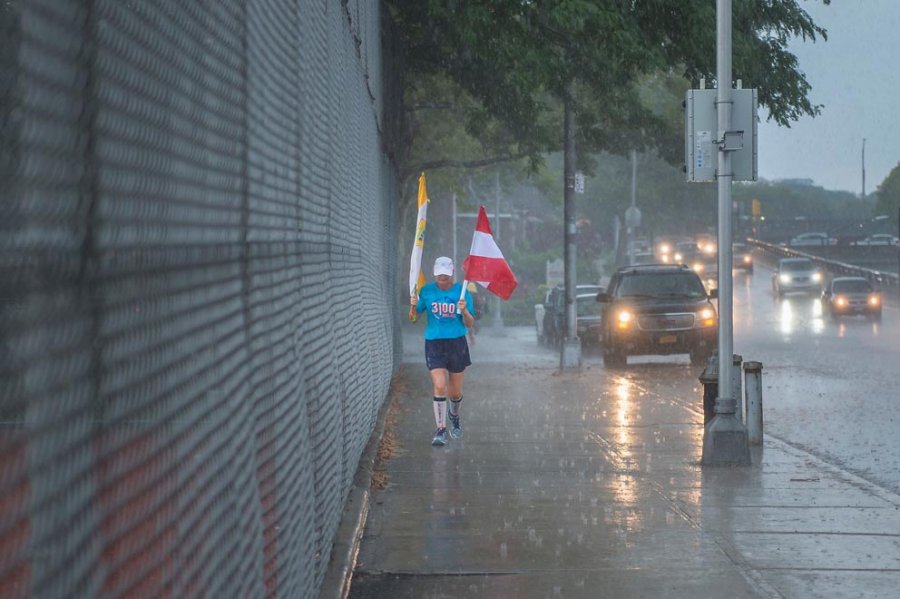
[829,387]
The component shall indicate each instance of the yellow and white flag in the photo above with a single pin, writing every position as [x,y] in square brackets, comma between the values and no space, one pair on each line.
[416,277]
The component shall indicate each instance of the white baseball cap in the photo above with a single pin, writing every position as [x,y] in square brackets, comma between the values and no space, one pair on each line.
[443,266]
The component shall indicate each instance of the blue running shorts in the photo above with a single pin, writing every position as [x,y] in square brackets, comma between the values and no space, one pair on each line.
[452,354]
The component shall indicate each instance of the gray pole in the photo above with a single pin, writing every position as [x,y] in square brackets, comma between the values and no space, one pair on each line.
[725,438]
[864,169]
[571,347]
[633,205]
[723,104]
[753,390]
[454,230]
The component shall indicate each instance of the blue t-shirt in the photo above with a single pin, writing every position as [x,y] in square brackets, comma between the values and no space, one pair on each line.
[443,320]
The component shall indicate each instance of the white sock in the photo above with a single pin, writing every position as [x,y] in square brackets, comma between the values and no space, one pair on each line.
[440,411]
[455,405]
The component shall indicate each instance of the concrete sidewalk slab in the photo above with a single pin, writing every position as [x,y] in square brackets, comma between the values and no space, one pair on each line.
[589,484]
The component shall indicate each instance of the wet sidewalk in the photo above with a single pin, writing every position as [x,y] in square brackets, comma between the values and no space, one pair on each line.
[589,484]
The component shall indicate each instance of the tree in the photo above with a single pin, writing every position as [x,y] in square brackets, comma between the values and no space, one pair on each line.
[516,59]
[889,193]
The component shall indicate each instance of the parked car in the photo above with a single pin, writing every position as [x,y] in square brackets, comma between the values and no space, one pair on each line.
[878,239]
[812,239]
[554,316]
[587,318]
[658,309]
[742,258]
[851,295]
[796,275]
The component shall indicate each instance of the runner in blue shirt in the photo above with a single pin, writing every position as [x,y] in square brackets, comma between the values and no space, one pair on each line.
[446,349]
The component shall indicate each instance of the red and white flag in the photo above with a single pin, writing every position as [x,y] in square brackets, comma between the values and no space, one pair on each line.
[485,264]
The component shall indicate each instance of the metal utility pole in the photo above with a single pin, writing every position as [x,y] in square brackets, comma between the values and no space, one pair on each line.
[725,439]
[633,199]
[863,169]
[570,356]
[632,215]
[454,228]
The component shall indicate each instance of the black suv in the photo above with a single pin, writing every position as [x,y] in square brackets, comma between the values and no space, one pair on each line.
[656,309]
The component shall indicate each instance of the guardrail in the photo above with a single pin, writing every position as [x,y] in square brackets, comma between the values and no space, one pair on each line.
[878,279]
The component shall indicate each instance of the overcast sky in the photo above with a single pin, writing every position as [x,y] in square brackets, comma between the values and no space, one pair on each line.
[856,76]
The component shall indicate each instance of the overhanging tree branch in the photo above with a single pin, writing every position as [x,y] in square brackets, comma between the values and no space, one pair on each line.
[462,164]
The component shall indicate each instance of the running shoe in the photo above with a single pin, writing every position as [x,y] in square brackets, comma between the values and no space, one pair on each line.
[440,437]
[455,428]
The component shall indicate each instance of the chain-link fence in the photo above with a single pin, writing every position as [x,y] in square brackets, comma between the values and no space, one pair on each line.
[197,231]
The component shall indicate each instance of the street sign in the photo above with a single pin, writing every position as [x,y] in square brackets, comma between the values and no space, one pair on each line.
[632,217]
[579,182]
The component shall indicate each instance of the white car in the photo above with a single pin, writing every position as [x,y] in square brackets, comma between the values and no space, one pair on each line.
[812,239]
[879,239]
[796,274]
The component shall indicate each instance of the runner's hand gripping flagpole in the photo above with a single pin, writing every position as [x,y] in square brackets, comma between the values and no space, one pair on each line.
[485,264]
[416,276]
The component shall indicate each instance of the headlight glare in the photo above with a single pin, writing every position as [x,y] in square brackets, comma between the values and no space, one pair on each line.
[707,317]
[624,319]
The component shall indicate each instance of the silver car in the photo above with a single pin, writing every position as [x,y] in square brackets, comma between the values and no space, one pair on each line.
[797,275]
[851,295]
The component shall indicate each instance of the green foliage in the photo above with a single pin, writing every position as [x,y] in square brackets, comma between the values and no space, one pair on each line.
[484,83]
[516,61]
[889,194]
